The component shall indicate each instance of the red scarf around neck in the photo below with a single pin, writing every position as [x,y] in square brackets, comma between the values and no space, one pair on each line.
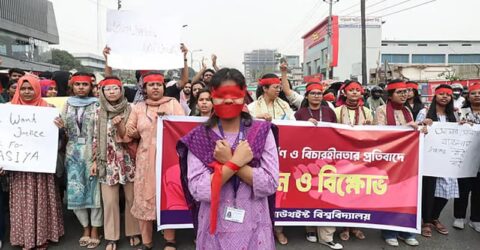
[391,107]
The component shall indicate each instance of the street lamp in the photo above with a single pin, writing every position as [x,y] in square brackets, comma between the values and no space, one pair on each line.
[191,56]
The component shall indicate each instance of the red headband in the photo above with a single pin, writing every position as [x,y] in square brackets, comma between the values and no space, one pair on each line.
[107,82]
[354,85]
[473,87]
[154,78]
[412,86]
[269,81]
[397,85]
[314,80]
[229,91]
[48,82]
[330,97]
[447,91]
[81,79]
[314,86]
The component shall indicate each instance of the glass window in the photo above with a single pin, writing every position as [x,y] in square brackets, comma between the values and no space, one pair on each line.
[427,58]
[395,58]
[464,58]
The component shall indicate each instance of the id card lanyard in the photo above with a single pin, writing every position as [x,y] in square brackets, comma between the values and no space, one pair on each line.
[240,137]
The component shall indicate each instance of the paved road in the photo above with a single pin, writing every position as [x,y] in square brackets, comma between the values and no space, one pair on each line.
[464,240]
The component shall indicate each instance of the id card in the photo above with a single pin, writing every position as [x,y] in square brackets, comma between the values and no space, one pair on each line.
[234,214]
[81,140]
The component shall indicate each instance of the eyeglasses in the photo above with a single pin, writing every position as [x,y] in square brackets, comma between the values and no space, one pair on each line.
[401,92]
[315,93]
[111,88]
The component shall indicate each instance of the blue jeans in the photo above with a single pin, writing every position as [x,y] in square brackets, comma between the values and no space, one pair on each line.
[387,234]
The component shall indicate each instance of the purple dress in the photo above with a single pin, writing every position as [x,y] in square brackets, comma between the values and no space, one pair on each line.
[256,230]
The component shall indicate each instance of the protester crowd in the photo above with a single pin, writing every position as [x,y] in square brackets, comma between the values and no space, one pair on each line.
[108,144]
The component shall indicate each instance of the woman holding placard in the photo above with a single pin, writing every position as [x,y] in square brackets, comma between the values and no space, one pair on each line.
[142,125]
[35,206]
[437,191]
[83,189]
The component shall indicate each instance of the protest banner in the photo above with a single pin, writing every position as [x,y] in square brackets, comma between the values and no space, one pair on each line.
[144,40]
[330,175]
[29,141]
[58,102]
[451,150]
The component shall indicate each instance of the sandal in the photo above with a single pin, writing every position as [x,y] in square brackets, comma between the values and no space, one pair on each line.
[112,243]
[93,243]
[83,242]
[358,234]
[170,244]
[440,227]
[345,234]
[282,239]
[146,247]
[427,230]
[135,241]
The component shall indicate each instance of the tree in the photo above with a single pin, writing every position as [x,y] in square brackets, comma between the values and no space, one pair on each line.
[64,59]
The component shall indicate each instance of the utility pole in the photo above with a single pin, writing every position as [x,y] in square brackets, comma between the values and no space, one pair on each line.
[364,43]
[329,36]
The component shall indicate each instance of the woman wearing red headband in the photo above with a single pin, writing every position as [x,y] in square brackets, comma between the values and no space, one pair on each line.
[35,205]
[115,161]
[142,125]
[313,108]
[230,172]
[394,113]
[437,191]
[268,105]
[414,104]
[350,109]
[470,113]
[83,189]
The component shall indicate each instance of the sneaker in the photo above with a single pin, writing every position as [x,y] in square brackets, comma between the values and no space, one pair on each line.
[475,225]
[311,236]
[410,241]
[392,242]
[459,224]
[331,244]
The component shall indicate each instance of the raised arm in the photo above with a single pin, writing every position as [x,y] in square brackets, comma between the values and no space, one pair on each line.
[184,77]
[108,69]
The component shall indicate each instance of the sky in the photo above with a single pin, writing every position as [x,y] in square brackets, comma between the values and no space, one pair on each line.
[229,28]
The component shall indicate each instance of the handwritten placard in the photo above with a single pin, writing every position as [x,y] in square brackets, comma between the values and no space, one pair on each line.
[29,138]
[452,150]
[144,40]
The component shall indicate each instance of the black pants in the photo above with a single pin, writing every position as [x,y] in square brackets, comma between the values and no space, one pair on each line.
[467,186]
[431,206]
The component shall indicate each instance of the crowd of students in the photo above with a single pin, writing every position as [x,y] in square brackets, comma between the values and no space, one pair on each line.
[229,165]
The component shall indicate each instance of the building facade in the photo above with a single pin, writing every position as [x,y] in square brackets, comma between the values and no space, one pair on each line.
[91,61]
[345,47]
[259,62]
[27,28]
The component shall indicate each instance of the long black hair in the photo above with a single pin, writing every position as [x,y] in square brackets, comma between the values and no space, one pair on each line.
[417,102]
[195,102]
[218,78]
[305,103]
[449,109]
